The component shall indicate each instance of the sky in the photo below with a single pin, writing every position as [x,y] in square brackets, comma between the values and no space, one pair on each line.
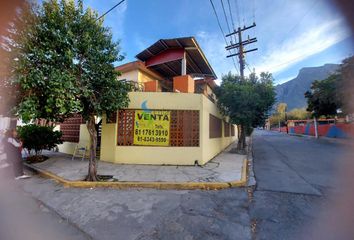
[291,34]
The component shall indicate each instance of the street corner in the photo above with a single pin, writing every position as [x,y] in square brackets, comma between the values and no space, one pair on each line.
[231,171]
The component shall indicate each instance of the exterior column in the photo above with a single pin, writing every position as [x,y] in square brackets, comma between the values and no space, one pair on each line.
[184,64]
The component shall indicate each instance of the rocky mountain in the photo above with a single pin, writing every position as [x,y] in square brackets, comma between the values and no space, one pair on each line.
[292,92]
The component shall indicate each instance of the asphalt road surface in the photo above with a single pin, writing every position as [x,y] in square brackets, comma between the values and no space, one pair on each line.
[296,178]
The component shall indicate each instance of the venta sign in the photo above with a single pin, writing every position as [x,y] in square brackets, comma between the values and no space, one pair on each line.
[152,128]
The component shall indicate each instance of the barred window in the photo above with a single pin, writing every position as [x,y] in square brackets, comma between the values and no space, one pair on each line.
[215,127]
[71,128]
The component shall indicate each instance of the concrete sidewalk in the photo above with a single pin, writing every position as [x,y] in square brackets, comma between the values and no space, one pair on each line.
[225,168]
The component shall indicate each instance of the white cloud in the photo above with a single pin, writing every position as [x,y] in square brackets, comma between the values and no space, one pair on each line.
[296,49]
[283,80]
[213,47]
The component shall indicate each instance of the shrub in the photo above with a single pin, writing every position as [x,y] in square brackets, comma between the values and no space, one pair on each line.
[37,138]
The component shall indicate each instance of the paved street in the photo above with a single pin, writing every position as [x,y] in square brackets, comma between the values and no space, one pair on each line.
[148,214]
[294,178]
[24,217]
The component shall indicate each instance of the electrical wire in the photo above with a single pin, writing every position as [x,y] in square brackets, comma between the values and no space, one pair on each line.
[248,67]
[232,20]
[238,14]
[254,10]
[228,25]
[223,33]
[227,21]
[314,3]
[233,25]
[243,10]
[110,10]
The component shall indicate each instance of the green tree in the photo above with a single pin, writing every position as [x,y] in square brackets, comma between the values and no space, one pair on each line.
[298,114]
[247,102]
[324,99]
[37,138]
[65,66]
[346,85]
[281,113]
[19,29]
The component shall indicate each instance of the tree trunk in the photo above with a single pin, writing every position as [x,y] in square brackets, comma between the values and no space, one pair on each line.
[241,144]
[92,170]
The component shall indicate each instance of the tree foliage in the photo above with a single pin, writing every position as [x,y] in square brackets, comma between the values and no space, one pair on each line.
[334,93]
[346,85]
[12,43]
[37,138]
[65,66]
[282,116]
[248,101]
[323,98]
[298,114]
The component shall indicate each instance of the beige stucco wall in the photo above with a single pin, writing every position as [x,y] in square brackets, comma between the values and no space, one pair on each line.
[139,76]
[208,148]
[130,76]
[213,146]
[144,77]
[69,147]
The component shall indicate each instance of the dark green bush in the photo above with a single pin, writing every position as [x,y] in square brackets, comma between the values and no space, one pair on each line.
[37,138]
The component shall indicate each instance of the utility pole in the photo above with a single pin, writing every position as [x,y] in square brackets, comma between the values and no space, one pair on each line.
[240,45]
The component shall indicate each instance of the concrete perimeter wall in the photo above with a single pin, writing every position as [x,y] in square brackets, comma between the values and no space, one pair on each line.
[338,130]
[207,149]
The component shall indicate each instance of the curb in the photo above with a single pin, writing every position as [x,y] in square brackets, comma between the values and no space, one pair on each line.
[251,180]
[155,185]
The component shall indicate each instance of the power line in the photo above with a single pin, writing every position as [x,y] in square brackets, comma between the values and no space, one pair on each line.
[217,19]
[243,13]
[222,32]
[240,46]
[298,22]
[227,21]
[254,10]
[254,31]
[291,30]
[232,19]
[238,14]
[248,67]
[110,10]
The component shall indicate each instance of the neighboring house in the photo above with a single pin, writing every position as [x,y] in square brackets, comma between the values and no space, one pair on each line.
[172,117]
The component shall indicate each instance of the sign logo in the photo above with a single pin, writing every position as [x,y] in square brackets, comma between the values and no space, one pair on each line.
[151,127]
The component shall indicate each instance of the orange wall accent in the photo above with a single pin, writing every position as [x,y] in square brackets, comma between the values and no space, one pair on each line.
[184,84]
[151,86]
